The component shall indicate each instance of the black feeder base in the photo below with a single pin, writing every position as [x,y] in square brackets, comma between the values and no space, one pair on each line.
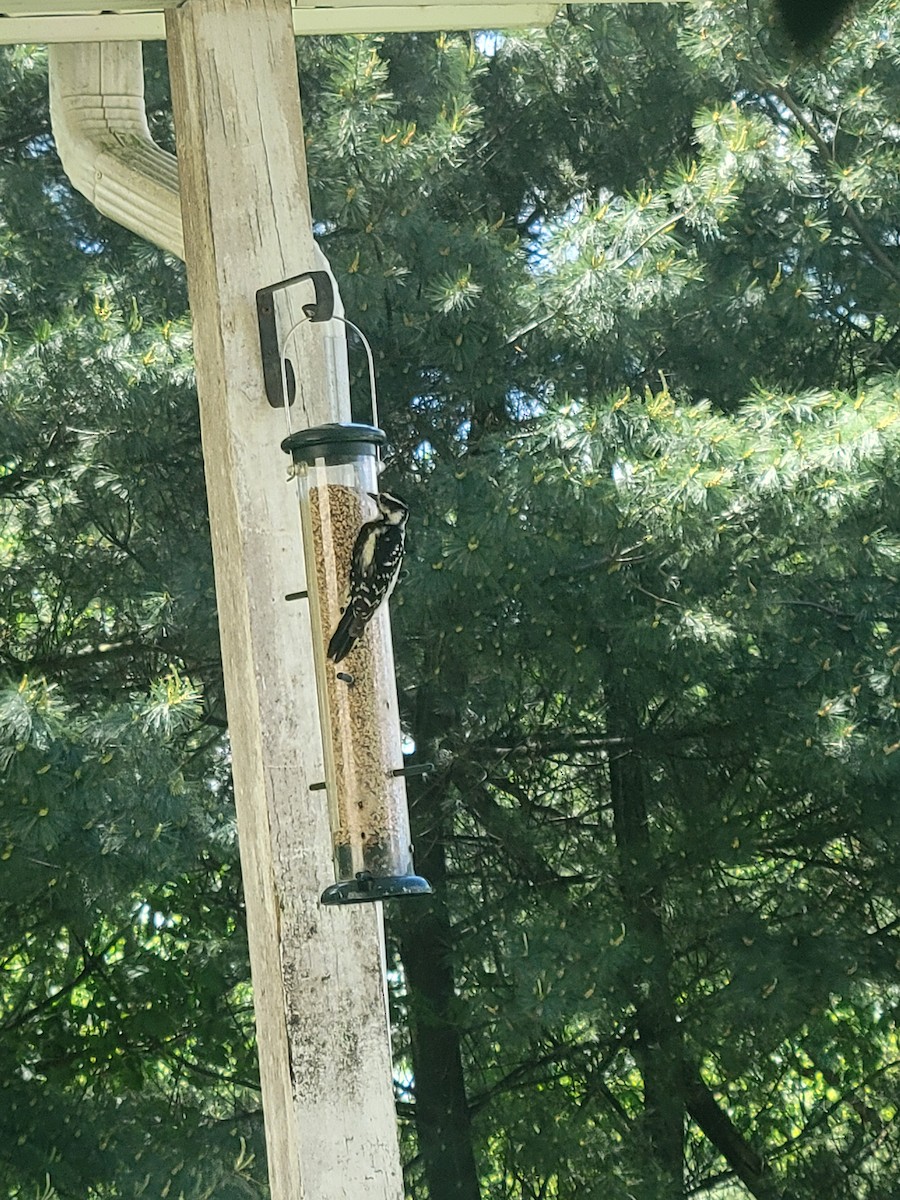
[365,888]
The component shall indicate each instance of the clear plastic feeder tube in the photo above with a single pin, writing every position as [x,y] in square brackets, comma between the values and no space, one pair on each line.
[337,472]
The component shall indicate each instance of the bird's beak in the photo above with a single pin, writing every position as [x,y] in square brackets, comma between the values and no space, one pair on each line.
[374,496]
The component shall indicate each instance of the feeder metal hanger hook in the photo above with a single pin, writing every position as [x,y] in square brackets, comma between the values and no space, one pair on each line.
[278,370]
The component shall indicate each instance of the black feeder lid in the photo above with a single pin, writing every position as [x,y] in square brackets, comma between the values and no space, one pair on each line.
[366,887]
[335,443]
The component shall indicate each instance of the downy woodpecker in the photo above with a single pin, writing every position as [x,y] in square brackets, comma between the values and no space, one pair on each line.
[374,567]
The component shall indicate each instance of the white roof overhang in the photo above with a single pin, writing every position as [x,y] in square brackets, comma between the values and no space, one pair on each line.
[43,21]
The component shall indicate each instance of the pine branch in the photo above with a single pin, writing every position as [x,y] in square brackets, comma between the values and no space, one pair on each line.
[610,268]
[828,153]
[562,1055]
[92,961]
[749,1166]
[543,744]
[17,480]
[219,1077]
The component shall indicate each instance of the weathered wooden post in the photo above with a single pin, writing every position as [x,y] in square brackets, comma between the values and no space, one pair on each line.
[318,974]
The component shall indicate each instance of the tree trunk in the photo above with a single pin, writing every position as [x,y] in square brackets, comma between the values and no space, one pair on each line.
[671,1086]
[749,1166]
[442,1120]
[658,1048]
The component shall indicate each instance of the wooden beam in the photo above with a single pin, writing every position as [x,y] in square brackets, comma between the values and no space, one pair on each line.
[317,973]
[30,21]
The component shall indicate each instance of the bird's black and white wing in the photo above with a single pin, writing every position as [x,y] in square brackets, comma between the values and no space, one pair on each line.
[374,567]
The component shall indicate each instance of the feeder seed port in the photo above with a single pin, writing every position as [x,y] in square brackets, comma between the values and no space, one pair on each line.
[406,772]
[414,769]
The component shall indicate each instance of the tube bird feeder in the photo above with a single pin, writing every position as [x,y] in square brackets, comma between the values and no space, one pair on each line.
[336,469]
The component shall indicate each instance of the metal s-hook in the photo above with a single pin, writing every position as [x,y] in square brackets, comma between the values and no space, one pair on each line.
[280,382]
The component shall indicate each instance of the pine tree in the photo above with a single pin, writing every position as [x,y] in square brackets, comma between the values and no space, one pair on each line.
[632,285]
[127,1055]
[649,794]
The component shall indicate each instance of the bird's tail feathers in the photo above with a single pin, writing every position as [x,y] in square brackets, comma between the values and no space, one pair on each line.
[342,639]
[349,630]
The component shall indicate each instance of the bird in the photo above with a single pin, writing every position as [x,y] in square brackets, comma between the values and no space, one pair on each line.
[374,566]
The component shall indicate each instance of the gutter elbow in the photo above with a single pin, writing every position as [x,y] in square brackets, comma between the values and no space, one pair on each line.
[100,126]
[103,139]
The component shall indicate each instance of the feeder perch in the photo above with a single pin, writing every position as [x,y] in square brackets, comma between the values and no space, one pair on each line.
[336,469]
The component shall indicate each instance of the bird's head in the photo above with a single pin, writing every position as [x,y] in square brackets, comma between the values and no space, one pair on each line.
[392,508]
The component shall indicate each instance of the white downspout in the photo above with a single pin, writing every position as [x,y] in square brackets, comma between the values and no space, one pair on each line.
[103,140]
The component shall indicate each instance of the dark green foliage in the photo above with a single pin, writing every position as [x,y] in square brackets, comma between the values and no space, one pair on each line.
[126,1047]
[632,285]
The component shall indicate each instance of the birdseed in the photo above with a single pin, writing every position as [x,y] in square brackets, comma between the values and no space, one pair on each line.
[361,732]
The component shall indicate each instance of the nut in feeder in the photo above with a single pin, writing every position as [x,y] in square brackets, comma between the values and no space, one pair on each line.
[353,544]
